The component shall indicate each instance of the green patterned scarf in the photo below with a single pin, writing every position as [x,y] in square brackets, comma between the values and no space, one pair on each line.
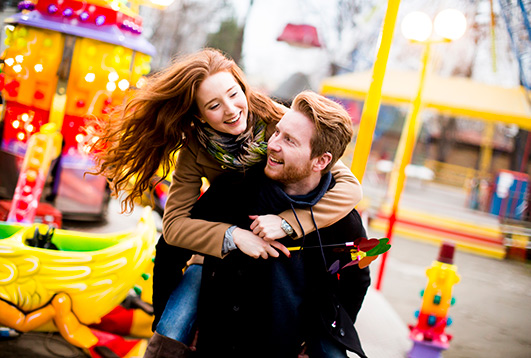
[235,152]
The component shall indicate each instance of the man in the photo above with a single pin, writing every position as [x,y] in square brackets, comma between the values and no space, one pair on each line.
[270,308]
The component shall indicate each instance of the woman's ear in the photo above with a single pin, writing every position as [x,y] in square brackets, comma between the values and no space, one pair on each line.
[322,161]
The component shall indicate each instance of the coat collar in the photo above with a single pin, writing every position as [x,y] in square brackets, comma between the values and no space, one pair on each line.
[309,199]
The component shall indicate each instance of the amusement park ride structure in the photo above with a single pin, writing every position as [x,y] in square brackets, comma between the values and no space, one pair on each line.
[65,62]
[68,60]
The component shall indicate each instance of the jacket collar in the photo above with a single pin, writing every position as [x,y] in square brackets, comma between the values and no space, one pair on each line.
[309,199]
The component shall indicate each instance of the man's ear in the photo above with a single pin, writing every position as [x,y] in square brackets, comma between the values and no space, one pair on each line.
[322,161]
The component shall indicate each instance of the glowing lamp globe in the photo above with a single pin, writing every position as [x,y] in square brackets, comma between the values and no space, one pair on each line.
[416,26]
[450,24]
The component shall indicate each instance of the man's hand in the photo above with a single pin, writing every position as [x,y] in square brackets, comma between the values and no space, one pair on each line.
[254,246]
[267,226]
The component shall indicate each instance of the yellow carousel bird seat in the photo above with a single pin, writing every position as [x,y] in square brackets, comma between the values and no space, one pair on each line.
[68,277]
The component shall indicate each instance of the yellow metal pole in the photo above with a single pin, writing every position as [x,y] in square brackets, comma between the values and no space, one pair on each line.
[411,129]
[404,157]
[372,102]
[401,149]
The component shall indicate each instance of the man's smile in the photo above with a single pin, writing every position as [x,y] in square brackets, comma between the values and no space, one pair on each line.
[275,160]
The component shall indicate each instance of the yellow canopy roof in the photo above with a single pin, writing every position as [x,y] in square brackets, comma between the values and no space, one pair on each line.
[456,96]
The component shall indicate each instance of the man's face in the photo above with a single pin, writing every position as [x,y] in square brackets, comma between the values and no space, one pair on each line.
[288,149]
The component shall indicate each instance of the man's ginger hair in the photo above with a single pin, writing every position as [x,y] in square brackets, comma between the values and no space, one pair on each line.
[333,125]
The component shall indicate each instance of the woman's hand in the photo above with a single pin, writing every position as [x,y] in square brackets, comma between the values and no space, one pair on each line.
[267,226]
[254,246]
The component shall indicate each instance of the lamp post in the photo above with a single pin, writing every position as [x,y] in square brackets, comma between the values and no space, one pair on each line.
[449,25]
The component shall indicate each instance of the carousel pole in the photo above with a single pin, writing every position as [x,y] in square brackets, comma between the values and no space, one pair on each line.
[372,102]
[409,135]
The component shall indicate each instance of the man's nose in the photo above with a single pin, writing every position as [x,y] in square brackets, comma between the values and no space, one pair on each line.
[272,144]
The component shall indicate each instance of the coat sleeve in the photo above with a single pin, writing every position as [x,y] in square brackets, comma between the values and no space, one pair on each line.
[333,206]
[178,227]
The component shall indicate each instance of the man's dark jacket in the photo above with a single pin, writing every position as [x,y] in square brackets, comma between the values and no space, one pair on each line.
[268,308]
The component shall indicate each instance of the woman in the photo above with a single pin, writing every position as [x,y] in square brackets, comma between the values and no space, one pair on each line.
[202,106]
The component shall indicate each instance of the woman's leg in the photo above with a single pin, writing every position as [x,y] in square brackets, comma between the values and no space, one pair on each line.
[167,274]
[179,316]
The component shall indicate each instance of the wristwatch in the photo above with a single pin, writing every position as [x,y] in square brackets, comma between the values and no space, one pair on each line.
[284,225]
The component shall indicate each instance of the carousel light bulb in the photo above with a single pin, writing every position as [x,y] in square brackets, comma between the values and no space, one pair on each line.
[16,124]
[113,76]
[30,128]
[90,77]
[19,58]
[84,16]
[123,84]
[111,86]
[79,138]
[52,9]
[9,61]
[21,42]
[21,136]
[38,67]
[119,50]
[17,68]
[25,117]
[68,12]
[115,5]
[141,82]
[100,20]
[22,32]
[91,51]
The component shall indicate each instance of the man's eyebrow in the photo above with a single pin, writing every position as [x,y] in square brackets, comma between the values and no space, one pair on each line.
[290,135]
[293,138]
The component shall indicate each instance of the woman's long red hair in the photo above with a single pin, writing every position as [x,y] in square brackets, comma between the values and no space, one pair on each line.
[147,131]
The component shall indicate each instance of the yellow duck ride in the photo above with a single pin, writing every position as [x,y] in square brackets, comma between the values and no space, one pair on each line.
[69,278]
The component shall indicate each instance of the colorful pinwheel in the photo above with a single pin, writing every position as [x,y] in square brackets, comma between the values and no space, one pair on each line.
[363,251]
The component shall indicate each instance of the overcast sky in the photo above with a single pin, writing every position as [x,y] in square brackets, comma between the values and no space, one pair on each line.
[269,62]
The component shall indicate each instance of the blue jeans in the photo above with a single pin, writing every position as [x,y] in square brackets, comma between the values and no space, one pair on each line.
[178,320]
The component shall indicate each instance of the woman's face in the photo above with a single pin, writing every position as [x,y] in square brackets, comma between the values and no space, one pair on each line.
[222,103]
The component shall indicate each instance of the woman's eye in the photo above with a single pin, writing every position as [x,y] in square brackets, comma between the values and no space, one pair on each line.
[234,94]
[214,106]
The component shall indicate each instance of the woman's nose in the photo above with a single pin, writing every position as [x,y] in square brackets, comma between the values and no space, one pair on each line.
[230,108]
